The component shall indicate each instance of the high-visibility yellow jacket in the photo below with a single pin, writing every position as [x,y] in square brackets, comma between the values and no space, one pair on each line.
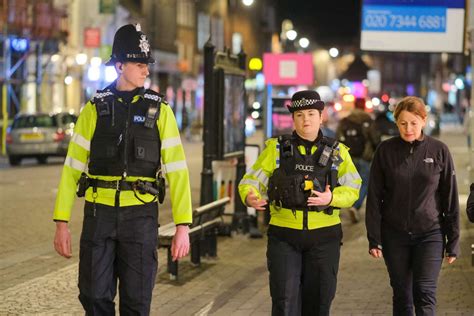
[345,195]
[173,164]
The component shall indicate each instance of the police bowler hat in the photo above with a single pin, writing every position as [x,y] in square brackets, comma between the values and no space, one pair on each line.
[130,44]
[306,99]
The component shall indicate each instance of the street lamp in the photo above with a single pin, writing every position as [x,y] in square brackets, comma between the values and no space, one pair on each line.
[304,42]
[68,80]
[81,59]
[333,52]
[291,35]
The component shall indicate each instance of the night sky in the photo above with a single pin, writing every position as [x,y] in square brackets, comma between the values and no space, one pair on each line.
[326,22]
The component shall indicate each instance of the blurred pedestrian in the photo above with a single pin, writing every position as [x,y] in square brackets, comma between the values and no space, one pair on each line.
[384,122]
[120,140]
[412,213]
[357,131]
[470,204]
[307,178]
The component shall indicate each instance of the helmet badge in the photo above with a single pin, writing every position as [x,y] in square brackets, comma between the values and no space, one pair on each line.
[144,45]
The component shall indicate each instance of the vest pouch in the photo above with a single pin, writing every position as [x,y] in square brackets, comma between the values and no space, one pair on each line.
[287,190]
[146,150]
[298,195]
[106,147]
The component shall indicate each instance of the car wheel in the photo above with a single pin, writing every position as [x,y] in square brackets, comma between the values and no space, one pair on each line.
[42,159]
[14,160]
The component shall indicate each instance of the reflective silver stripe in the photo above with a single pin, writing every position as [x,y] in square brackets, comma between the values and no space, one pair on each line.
[81,141]
[175,166]
[260,175]
[75,164]
[353,185]
[251,182]
[349,178]
[277,162]
[170,142]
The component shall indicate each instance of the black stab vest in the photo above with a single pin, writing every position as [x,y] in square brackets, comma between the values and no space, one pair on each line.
[287,183]
[122,145]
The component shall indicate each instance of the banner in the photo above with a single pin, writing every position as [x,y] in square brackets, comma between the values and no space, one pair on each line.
[288,69]
[414,26]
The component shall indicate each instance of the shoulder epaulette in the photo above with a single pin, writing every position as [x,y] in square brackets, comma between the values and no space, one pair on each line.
[331,142]
[284,137]
[101,95]
[154,96]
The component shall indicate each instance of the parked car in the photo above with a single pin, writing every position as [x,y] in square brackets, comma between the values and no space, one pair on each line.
[39,136]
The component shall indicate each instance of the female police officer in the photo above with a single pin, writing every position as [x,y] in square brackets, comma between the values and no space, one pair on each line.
[120,139]
[307,178]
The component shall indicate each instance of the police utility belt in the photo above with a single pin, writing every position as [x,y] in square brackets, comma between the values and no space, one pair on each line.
[156,188]
[289,186]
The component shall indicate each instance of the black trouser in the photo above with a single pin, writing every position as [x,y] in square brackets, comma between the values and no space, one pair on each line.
[303,267]
[118,243]
[413,263]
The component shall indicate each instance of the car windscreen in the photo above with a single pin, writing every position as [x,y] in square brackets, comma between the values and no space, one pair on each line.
[34,121]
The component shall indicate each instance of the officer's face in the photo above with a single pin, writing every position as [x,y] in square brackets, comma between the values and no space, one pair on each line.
[307,123]
[133,74]
[410,126]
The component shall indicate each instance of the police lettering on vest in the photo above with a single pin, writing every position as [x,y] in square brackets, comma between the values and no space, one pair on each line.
[308,168]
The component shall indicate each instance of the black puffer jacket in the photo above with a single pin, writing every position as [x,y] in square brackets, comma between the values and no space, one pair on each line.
[413,188]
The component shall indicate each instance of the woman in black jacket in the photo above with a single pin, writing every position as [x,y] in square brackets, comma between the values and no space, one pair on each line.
[412,214]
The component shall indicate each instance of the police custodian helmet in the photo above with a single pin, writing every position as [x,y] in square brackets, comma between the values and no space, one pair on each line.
[306,99]
[130,44]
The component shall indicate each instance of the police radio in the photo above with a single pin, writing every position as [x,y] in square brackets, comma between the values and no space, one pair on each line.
[151,116]
[325,155]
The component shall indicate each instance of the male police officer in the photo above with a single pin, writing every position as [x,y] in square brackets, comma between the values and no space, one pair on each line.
[120,139]
[307,178]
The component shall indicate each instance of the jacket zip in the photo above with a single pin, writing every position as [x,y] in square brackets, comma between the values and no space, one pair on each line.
[410,177]
[124,175]
[305,219]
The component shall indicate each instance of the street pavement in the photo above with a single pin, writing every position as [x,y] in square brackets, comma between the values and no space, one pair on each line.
[35,281]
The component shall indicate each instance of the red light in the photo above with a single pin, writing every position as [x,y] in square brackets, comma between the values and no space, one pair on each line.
[385,98]
[9,139]
[59,136]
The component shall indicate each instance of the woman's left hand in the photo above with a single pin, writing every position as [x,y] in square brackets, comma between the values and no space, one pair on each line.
[450,259]
[320,198]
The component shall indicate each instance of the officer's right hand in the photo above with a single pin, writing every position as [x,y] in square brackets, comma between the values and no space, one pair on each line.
[62,240]
[252,200]
[376,252]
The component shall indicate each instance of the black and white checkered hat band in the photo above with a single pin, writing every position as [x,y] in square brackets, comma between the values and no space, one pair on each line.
[303,102]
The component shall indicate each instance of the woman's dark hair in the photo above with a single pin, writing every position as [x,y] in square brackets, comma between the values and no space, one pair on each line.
[413,105]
